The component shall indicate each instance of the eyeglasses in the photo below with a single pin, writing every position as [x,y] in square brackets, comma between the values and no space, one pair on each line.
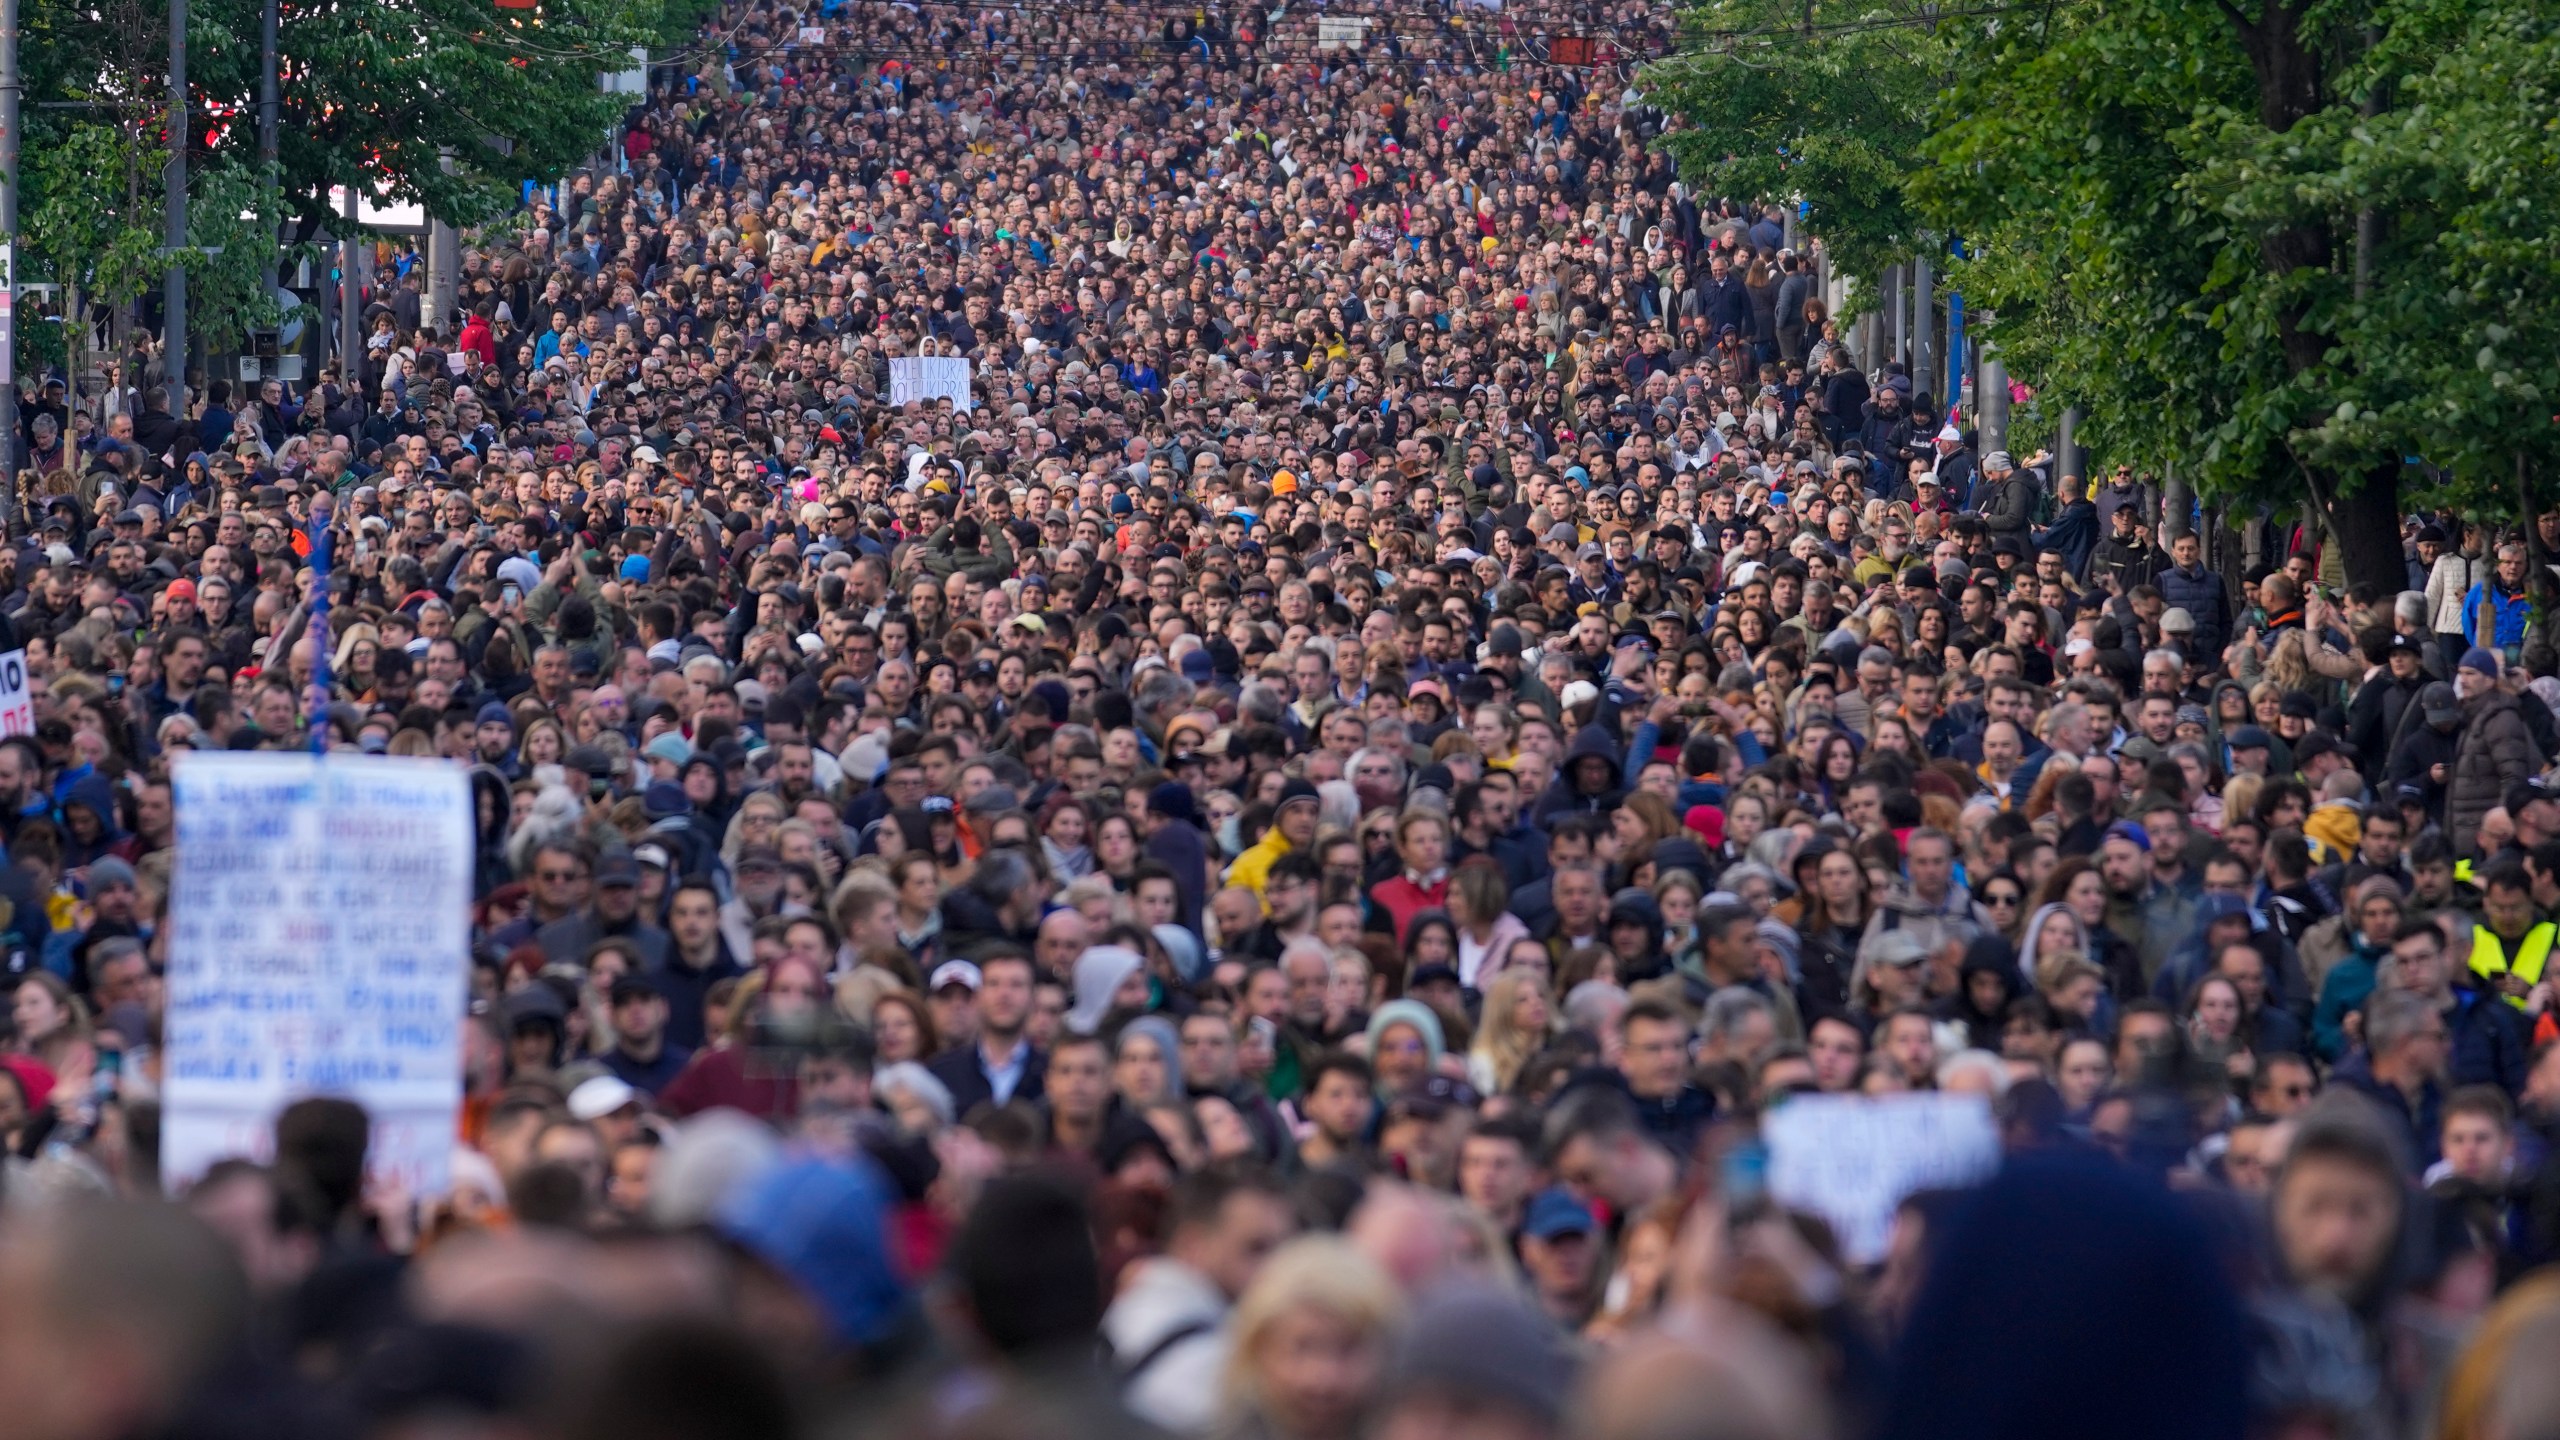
[2000,900]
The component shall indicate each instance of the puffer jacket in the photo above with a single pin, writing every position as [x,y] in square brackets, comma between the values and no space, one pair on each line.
[2495,751]
[2448,584]
[2201,594]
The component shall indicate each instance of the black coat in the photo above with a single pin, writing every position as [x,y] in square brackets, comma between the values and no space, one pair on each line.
[2373,717]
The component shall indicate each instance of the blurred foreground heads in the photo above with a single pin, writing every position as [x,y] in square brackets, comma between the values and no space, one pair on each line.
[114,1315]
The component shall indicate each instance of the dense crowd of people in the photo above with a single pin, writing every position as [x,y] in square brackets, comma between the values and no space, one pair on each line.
[1258,877]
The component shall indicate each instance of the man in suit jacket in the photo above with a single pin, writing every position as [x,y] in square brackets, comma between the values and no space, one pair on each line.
[1001,1065]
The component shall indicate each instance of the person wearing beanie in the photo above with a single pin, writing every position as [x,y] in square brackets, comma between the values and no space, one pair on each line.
[1293,828]
[2495,749]
[493,739]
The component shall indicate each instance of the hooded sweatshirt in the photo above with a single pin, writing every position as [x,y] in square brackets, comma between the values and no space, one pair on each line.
[1567,794]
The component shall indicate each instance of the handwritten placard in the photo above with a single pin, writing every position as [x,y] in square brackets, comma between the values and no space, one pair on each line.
[1852,1159]
[929,378]
[320,944]
[17,702]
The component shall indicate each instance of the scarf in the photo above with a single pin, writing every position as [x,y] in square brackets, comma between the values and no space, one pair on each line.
[1067,862]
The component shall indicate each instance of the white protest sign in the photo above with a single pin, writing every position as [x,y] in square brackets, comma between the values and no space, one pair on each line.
[320,944]
[1341,32]
[929,377]
[1851,1159]
[17,706]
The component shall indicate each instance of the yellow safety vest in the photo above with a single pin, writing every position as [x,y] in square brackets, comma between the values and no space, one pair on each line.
[2489,957]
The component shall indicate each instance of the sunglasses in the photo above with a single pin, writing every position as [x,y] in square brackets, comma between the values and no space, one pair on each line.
[1999,899]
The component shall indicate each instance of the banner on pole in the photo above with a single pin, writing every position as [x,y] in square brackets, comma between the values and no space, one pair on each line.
[8,314]
[929,378]
[320,944]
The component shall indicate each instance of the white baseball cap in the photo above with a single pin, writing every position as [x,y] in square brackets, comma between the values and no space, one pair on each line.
[596,1098]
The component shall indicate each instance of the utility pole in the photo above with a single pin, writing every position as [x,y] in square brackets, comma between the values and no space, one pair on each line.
[350,324]
[9,88]
[1924,326]
[174,287]
[1991,402]
[270,100]
[1897,315]
[444,266]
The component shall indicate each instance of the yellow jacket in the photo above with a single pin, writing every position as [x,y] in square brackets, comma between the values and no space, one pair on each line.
[1253,867]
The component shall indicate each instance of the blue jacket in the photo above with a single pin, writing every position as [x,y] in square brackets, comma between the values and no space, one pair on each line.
[2203,596]
[2488,1042]
[2510,613]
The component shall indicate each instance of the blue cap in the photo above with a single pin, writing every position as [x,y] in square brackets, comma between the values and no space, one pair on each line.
[635,568]
[2128,830]
[2480,659]
[496,713]
[1553,1212]
[2251,737]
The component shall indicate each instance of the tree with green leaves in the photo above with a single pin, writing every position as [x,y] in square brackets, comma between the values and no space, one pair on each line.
[451,104]
[91,225]
[2281,246]
[1826,102]
[391,93]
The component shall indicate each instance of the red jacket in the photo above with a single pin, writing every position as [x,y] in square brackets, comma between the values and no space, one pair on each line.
[477,339]
[1402,900]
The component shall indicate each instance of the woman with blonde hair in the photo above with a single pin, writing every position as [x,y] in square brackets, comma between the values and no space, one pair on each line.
[1516,1023]
[1309,1343]
[759,816]
[352,666]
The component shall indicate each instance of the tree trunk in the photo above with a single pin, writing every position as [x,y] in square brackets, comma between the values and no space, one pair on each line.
[2364,516]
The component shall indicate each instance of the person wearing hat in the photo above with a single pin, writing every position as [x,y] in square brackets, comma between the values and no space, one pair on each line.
[536,1021]
[1292,830]
[641,1057]
[2125,554]
[2496,749]
[493,739]
[2374,715]
[1559,1250]
[612,912]
[2251,750]
[2423,748]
